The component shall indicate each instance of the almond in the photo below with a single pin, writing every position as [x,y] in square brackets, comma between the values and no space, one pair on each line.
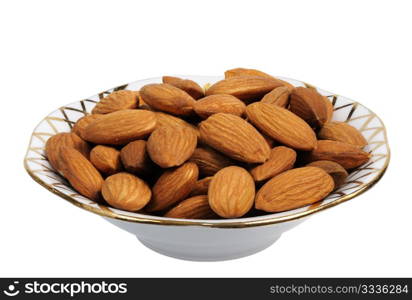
[278,96]
[248,88]
[121,127]
[171,146]
[173,186]
[293,189]
[64,139]
[334,169]
[189,86]
[168,98]
[106,159]
[126,191]
[213,104]
[209,161]
[196,207]
[347,155]
[252,72]
[281,159]
[117,100]
[81,124]
[135,158]
[342,132]
[308,104]
[201,187]
[80,172]
[231,192]
[166,120]
[234,137]
[329,109]
[281,125]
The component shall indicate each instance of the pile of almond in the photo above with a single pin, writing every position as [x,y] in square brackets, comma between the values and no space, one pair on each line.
[248,144]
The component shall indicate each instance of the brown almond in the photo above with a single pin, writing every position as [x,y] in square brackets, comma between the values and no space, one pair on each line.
[293,189]
[347,155]
[126,191]
[173,186]
[281,159]
[201,187]
[209,161]
[80,172]
[196,207]
[121,127]
[234,137]
[135,158]
[171,146]
[247,88]
[106,159]
[342,132]
[334,169]
[329,109]
[278,96]
[281,125]
[220,103]
[308,104]
[118,100]
[189,86]
[168,98]
[252,72]
[231,192]
[166,120]
[81,124]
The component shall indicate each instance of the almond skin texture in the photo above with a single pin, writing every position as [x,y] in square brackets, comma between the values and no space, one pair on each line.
[168,98]
[189,86]
[81,124]
[121,127]
[171,146]
[347,155]
[166,120]
[281,125]
[126,191]
[117,100]
[220,103]
[334,169]
[135,158]
[64,139]
[281,159]
[278,96]
[342,132]
[308,104]
[80,172]
[106,159]
[201,187]
[252,72]
[196,207]
[234,137]
[247,88]
[293,189]
[231,192]
[173,186]
[209,161]
[329,109]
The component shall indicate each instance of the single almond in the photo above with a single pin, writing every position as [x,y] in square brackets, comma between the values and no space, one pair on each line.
[189,86]
[115,101]
[135,158]
[81,124]
[231,192]
[121,127]
[342,132]
[106,159]
[281,125]
[173,186]
[234,137]
[166,120]
[347,155]
[252,72]
[196,207]
[334,169]
[220,103]
[247,88]
[126,191]
[329,109]
[168,98]
[201,187]
[209,161]
[293,189]
[171,146]
[281,159]
[80,172]
[278,96]
[308,104]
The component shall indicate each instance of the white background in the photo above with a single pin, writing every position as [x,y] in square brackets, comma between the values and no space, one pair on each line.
[53,53]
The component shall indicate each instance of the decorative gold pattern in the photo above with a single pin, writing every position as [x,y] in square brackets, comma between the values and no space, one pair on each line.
[347,110]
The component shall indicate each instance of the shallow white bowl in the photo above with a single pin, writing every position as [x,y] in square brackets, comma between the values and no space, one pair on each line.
[209,240]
